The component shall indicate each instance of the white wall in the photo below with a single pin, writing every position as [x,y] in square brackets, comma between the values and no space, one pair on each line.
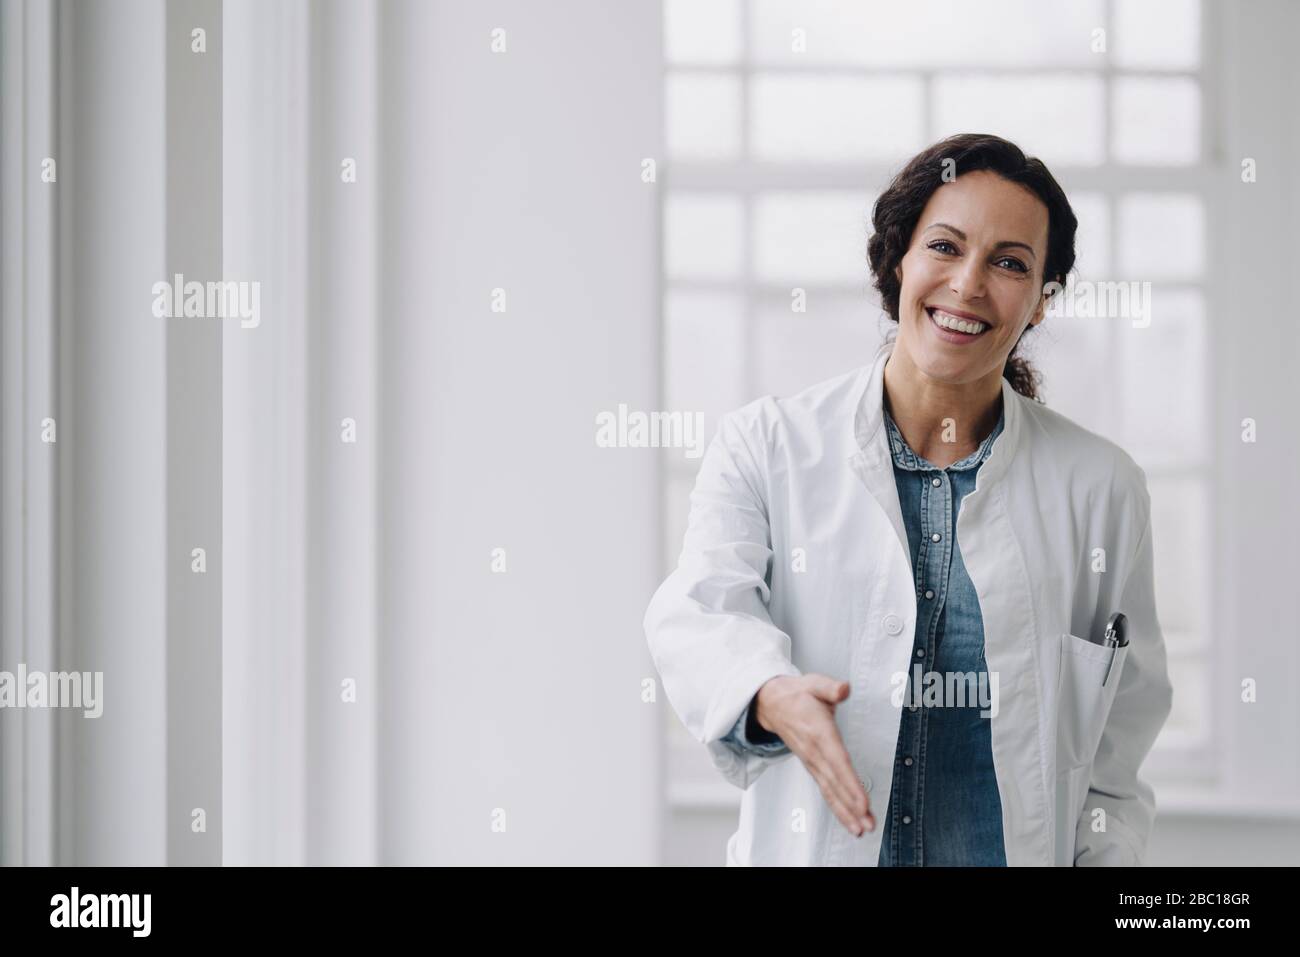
[518,691]
[516,694]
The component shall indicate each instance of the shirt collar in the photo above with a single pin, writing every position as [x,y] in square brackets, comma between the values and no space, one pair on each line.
[905,458]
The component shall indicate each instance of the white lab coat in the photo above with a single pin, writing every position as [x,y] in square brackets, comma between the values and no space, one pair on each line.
[808,480]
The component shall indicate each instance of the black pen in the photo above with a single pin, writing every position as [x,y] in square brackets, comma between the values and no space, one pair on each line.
[1116,637]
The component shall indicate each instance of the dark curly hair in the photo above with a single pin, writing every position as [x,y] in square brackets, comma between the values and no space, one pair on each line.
[899,207]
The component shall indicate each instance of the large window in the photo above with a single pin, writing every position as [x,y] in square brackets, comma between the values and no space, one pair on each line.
[785,118]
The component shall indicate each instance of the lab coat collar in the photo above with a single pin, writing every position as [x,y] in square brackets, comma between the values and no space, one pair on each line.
[868,440]
[871,460]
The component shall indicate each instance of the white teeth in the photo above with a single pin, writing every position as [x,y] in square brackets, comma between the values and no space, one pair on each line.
[968,326]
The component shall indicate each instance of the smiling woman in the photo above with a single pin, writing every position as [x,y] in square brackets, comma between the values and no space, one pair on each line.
[925,513]
[971,229]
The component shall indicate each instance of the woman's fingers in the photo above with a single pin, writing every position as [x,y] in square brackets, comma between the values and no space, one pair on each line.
[825,755]
[847,818]
[837,756]
[825,771]
[849,791]
[813,735]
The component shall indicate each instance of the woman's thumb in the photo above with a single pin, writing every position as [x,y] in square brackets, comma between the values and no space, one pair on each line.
[830,689]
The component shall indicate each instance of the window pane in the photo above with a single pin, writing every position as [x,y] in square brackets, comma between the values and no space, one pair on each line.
[677,509]
[702,115]
[703,353]
[1180,537]
[702,31]
[1157,34]
[1092,239]
[1071,351]
[1187,725]
[795,350]
[1056,118]
[1157,120]
[1165,381]
[1161,236]
[836,118]
[809,237]
[934,33]
[703,235]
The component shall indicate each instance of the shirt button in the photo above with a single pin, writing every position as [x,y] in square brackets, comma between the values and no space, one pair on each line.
[920,652]
[893,624]
[914,707]
[907,762]
[935,537]
[928,593]
[907,819]
[934,481]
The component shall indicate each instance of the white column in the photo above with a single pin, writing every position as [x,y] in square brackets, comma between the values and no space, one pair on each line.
[340,493]
[265,434]
[111,430]
[28,473]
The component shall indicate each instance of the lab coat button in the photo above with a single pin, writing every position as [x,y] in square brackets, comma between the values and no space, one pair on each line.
[866,782]
[893,624]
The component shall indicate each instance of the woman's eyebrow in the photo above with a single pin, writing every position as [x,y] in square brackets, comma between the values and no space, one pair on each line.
[1002,245]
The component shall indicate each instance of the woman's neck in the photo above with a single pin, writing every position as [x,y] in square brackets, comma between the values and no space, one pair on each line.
[941,422]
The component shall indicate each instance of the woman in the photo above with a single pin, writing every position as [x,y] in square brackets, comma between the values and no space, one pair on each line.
[862,554]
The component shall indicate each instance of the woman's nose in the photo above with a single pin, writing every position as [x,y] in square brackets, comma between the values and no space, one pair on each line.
[967,279]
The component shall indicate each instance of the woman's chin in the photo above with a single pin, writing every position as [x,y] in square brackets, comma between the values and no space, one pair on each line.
[953,370]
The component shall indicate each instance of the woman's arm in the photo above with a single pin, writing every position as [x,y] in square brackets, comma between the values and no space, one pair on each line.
[708,626]
[748,735]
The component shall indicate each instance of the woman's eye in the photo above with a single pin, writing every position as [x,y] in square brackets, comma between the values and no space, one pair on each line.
[944,246]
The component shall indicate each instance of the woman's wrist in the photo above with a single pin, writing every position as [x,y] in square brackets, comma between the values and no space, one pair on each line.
[760,715]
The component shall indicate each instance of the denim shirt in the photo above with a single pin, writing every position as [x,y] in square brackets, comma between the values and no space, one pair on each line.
[945,751]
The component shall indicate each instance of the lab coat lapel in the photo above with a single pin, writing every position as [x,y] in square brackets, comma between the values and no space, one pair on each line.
[1000,571]
[868,443]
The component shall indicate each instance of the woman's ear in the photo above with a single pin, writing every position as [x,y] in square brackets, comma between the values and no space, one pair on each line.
[1040,309]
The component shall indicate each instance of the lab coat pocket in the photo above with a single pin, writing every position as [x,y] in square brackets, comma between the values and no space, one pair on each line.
[1085,693]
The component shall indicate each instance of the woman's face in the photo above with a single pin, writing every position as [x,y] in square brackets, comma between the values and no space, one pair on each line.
[976,254]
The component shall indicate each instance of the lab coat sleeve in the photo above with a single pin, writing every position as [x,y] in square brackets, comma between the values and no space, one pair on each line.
[708,627]
[1141,706]
[748,735]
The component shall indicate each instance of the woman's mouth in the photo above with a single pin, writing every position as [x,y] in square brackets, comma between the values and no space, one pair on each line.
[955,328]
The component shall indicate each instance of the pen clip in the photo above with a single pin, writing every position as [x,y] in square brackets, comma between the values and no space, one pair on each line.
[1115,638]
